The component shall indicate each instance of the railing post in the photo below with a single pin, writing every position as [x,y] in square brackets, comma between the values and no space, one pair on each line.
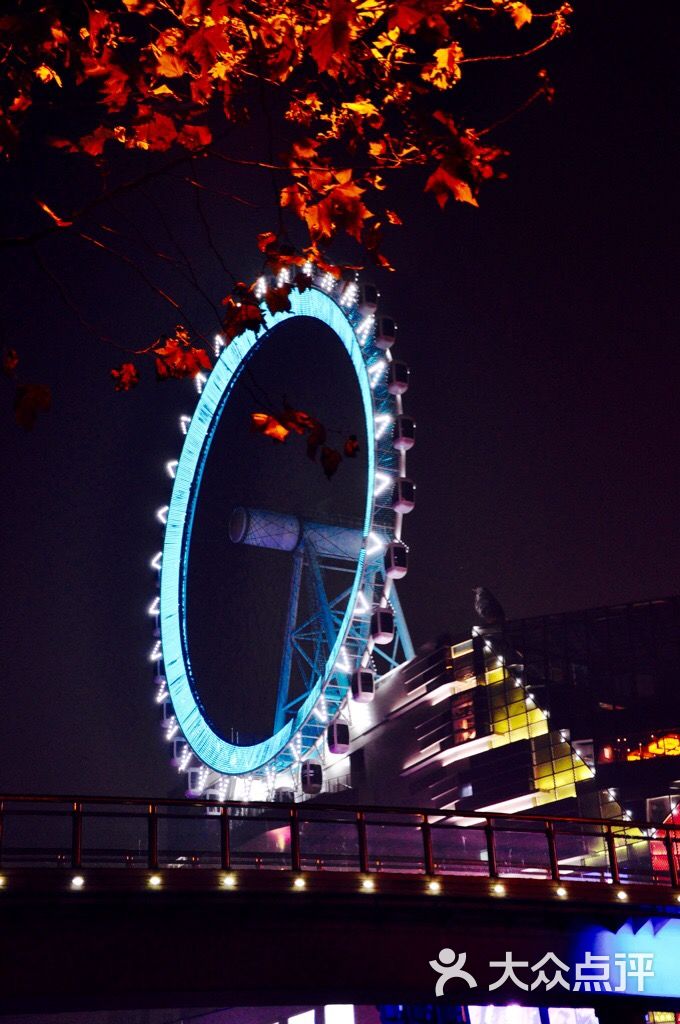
[552,851]
[295,854]
[77,836]
[225,838]
[672,862]
[2,826]
[428,858]
[491,849]
[611,851]
[363,841]
[153,837]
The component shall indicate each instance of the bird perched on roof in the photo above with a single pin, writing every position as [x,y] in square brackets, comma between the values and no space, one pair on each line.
[487,608]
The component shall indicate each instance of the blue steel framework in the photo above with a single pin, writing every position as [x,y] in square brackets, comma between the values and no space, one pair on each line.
[339,629]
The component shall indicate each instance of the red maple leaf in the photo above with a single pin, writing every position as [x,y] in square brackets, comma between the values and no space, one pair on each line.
[351,447]
[178,358]
[243,312]
[330,460]
[125,377]
[277,299]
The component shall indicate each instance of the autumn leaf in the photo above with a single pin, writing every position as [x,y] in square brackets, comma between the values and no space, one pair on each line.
[296,420]
[351,447]
[47,74]
[10,361]
[243,313]
[443,183]
[330,460]
[157,132]
[277,299]
[125,377]
[265,240]
[393,217]
[332,38]
[445,71]
[520,14]
[178,358]
[29,400]
[316,437]
[269,426]
[363,107]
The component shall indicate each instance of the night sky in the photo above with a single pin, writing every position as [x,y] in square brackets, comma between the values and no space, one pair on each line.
[541,332]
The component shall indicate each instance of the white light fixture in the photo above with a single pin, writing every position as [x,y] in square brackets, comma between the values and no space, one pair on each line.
[155,881]
[156,561]
[228,881]
[374,544]
[154,607]
[382,482]
[499,889]
[184,422]
[434,886]
[157,652]
[375,372]
[171,468]
[622,895]
[77,882]
[561,891]
[368,885]
[199,381]
[299,882]
[162,514]
[382,422]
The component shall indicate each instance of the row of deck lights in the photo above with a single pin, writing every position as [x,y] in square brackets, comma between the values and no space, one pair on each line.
[368,885]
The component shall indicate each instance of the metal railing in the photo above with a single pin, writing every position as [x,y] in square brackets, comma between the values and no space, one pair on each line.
[110,832]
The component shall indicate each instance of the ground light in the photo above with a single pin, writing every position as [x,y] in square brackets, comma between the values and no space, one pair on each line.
[228,881]
[499,889]
[368,885]
[299,882]
[561,891]
[77,882]
[622,895]
[155,881]
[434,886]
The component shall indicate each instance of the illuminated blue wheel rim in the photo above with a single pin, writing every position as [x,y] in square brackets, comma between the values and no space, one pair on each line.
[305,728]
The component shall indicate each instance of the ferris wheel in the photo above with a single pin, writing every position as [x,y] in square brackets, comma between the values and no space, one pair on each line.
[350,630]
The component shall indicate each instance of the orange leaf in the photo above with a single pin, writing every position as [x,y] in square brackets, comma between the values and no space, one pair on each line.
[265,240]
[178,358]
[443,184]
[261,423]
[520,14]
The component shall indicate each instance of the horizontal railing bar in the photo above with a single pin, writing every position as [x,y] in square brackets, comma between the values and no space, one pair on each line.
[309,812]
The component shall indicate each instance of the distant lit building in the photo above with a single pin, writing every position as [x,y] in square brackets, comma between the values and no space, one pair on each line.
[579,711]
